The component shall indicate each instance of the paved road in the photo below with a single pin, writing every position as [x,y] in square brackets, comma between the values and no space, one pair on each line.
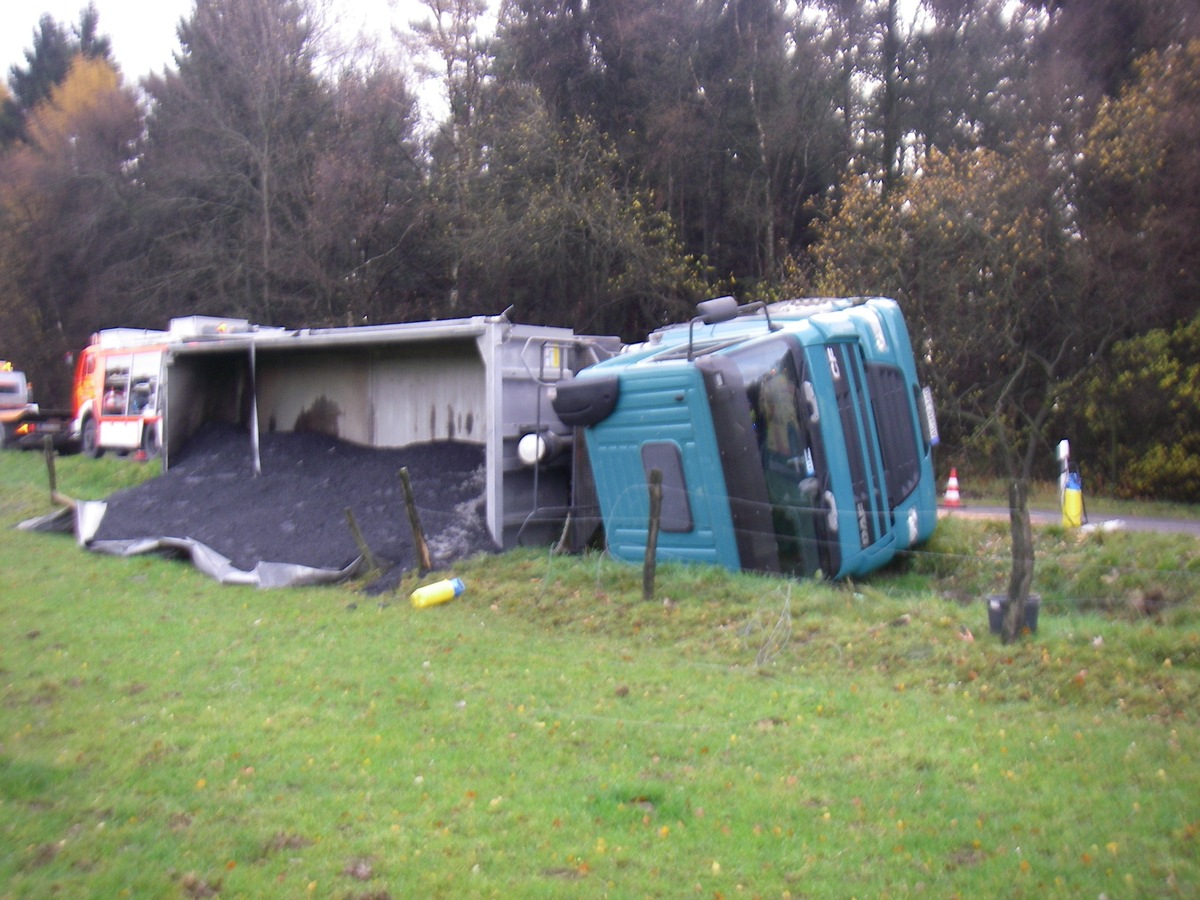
[1054,517]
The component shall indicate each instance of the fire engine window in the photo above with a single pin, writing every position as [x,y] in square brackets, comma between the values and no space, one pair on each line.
[116,384]
[144,376]
[676,509]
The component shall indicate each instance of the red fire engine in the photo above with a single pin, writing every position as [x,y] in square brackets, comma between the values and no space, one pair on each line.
[118,399]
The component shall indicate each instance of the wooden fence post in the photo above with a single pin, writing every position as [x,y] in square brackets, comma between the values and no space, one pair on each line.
[648,569]
[51,472]
[424,562]
[363,547]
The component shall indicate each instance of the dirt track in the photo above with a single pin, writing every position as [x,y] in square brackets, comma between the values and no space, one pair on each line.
[295,511]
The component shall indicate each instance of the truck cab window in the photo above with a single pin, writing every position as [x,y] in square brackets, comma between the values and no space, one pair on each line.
[785,420]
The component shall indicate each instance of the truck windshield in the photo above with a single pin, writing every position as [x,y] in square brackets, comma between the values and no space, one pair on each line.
[784,417]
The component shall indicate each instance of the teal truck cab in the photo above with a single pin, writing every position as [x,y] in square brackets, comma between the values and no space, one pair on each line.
[791,438]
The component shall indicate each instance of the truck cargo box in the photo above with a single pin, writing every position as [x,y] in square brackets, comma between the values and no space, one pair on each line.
[481,380]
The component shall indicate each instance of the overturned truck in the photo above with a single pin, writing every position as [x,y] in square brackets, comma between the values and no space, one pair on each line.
[793,438]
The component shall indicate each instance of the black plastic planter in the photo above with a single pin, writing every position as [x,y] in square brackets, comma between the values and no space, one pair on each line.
[998,606]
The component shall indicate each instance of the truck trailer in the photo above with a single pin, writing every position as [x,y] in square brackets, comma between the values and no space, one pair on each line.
[482,380]
[792,438]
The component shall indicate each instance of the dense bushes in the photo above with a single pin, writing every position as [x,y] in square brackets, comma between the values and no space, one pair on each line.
[1144,407]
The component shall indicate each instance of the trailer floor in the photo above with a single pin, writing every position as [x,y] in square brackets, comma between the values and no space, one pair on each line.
[295,511]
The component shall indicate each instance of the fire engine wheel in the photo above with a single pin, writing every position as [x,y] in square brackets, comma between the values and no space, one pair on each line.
[87,440]
[150,445]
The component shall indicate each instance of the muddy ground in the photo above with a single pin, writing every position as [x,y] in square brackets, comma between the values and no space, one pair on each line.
[295,511]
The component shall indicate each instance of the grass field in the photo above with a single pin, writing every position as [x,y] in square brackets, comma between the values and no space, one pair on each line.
[551,734]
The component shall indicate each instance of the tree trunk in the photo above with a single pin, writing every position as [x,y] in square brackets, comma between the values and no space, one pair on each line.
[1021,578]
[891,101]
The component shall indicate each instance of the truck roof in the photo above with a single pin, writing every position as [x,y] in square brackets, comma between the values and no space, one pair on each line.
[128,337]
[752,315]
[811,320]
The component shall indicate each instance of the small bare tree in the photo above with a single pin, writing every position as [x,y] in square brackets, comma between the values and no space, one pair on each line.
[978,248]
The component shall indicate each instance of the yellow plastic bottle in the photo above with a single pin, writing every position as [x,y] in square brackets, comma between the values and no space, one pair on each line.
[438,592]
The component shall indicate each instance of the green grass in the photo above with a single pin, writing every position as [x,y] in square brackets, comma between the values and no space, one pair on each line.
[551,734]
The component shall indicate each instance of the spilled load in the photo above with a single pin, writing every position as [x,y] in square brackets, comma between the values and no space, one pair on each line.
[791,438]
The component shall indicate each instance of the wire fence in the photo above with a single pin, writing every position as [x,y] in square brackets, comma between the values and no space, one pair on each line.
[1075,570]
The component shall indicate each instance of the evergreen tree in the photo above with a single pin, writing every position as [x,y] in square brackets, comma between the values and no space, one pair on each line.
[47,63]
[228,162]
[373,235]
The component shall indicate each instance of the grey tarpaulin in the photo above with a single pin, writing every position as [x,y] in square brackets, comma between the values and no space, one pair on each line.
[86,517]
[288,526]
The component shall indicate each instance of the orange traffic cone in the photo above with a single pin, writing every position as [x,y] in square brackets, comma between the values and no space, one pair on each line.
[952,498]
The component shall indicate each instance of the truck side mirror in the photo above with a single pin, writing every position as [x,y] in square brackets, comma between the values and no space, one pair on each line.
[719,309]
[712,312]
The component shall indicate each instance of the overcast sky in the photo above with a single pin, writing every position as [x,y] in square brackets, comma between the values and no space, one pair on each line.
[143,31]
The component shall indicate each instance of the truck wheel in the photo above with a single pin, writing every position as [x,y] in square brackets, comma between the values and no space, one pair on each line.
[150,445]
[87,440]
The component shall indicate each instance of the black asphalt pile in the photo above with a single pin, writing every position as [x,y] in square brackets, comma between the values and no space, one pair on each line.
[295,511]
